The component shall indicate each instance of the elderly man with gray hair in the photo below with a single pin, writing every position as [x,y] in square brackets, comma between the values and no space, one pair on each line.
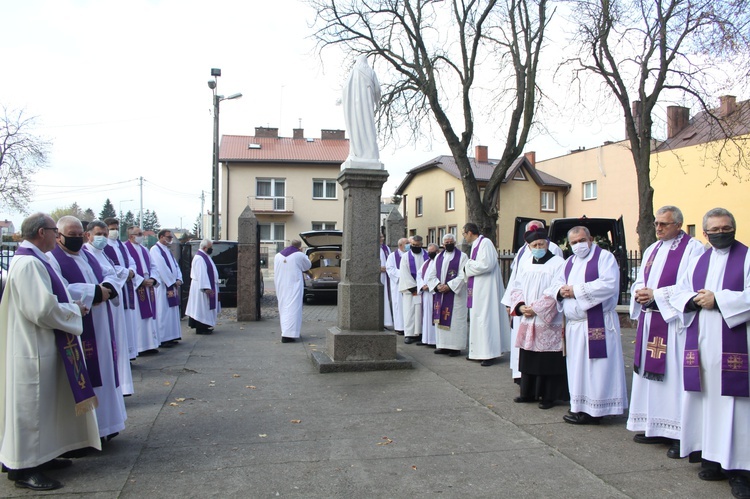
[203,301]
[289,282]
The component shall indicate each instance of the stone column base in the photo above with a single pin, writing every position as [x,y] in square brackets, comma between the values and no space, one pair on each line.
[348,351]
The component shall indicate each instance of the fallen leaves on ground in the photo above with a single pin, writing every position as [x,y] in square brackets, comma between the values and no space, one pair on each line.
[262,435]
[414,468]
[235,375]
[387,441]
[250,387]
[296,421]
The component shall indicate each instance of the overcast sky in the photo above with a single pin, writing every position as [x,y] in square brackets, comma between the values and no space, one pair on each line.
[120,88]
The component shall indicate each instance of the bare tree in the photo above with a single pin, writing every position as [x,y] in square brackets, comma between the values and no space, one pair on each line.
[431,53]
[22,154]
[644,48]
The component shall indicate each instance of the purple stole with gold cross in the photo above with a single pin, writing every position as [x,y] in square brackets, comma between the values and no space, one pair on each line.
[594,315]
[734,374]
[658,332]
[146,297]
[72,273]
[68,346]
[173,299]
[442,308]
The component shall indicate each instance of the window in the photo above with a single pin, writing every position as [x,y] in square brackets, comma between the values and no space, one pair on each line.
[519,175]
[324,189]
[589,190]
[323,225]
[418,207]
[450,200]
[272,188]
[691,230]
[441,233]
[271,232]
[549,201]
[452,229]
[431,235]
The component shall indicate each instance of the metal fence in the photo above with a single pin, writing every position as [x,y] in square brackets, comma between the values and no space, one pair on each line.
[7,250]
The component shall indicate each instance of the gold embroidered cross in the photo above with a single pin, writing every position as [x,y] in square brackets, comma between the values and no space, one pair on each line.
[446,313]
[690,358]
[735,362]
[657,348]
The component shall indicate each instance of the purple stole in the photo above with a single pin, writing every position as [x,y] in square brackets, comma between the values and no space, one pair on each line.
[442,308]
[656,348]
[734,378]
[72,273]
[146,297]
[173,299]
[397,257]
[289,250]
[413,264]
[211,279]
[128,297]
[594,315]
[67,345]
[470,282]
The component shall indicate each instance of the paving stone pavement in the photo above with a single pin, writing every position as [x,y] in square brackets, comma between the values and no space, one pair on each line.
[239,414]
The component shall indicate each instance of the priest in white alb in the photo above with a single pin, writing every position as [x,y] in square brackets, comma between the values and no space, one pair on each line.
[393,269]
[203,304]
[656,394]
[288,266]
[489,327]
[427,294]
[411,301]
[46,398]
[118,253]
[85,281]
[715,299]
[166,270]
[449,312]
[147,340]
[587,288]
[96,242]
[385,280]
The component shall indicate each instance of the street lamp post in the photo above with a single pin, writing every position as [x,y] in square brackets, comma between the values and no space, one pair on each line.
[212,84]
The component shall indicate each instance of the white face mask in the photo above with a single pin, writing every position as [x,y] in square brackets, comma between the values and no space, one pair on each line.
[99,242]
[581,249]
[113,234]
[139,239]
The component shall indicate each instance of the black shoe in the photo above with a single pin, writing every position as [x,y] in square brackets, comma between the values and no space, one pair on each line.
[153,351]
[712,474]
[487,362]
[442,351]
[581,418]
[420,344]
[641,438]
[546,404]
[454,353]
[695,457]
[740,486]
[78,453]
[431,346]
[400,333]
[410,339]
[674,450]
[166,344]
[112,435]
[36,480]
[286,339]
[523,400]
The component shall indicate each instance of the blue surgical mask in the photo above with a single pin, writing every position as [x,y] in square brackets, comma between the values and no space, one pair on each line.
[407,247]
[538,252]
[99,242]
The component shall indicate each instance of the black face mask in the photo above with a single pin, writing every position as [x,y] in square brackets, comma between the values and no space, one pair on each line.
[721,240]
[449,247]
[74,244]
[209,251]
[416,250]
[431,255]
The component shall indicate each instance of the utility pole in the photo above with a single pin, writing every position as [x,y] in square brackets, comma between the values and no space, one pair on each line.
[141,218]
[200,219]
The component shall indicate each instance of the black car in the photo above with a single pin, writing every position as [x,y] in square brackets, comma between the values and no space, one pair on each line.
[324,252]
[608,233]
[224,256]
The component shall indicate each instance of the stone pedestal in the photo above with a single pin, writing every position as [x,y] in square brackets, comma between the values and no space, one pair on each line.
[359,342]
[395,228]
[248,267]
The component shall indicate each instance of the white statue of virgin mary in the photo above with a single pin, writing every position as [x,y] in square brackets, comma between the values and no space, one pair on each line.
[360,100]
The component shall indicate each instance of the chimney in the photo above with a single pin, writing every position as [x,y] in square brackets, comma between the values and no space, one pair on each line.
[531,156]
[637,108]
[266,133]
[481,154]
[728,105]
[333,135]
[298,133]
[678,118]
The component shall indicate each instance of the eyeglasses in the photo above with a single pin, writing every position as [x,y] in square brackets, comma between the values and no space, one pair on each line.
[53,229]
[719,230]
[662,225]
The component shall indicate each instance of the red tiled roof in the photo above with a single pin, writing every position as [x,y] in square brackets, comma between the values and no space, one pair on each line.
[283,149]
[703,128]
[482,171]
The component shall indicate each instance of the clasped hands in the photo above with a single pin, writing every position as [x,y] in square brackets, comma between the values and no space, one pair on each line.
[644,296]
[705,299]
[566,291]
